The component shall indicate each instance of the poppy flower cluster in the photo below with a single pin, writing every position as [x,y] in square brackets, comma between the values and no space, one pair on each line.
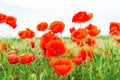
[28,33]
[114,28]
[25,58]
[82,56]
[79,35]
[9,20]
[55,26]
[51,45]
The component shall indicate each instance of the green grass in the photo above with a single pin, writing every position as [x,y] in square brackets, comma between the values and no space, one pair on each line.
[102,67]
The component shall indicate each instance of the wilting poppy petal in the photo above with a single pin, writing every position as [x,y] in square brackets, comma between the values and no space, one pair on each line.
[57,26]
[42,26]
[62,66]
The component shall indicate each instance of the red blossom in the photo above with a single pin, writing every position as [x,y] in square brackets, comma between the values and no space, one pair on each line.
[27,58]
[79,35]
[45,38]
[12,57]
[92,30]
[84,53]
[91,41]
[72,29]
[26,34]
[3,18]
[11,21]
[57,26]
[81,17]
[114,28]
[32,44]
[77,59]
[55,48]
[42,26]
[62,66]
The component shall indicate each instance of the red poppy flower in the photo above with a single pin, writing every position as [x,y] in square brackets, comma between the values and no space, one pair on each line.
[12,57]
[42,26]
[22,34]
[77,59]
[72,29]
[117,40]
[32,44]
[83,53]
[114,28]
[26,34]
[3,17]
[91,41]
[82,17]
[79,35]
[11,21]
[62,66]
[3,47]
[45,38]
[57,26]
[55,48]
[30,33]
[27,58]
[92,30]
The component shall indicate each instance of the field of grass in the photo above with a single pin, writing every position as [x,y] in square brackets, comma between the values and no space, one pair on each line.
[105,64]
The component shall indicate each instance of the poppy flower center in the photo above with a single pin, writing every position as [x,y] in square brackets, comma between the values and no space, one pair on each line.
[57,51]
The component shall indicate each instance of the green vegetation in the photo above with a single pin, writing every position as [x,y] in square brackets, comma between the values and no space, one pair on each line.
[105,64]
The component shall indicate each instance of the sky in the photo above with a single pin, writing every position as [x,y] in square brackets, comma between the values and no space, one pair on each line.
[31,12]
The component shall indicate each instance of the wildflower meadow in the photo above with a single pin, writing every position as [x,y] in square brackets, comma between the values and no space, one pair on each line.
[85,55]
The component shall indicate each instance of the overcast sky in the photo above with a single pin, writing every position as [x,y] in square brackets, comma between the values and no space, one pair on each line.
[30,12]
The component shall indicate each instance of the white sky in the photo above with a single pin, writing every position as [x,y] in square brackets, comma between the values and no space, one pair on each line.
[30,12]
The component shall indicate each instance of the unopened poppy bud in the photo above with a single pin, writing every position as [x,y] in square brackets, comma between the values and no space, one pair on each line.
[33,77]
